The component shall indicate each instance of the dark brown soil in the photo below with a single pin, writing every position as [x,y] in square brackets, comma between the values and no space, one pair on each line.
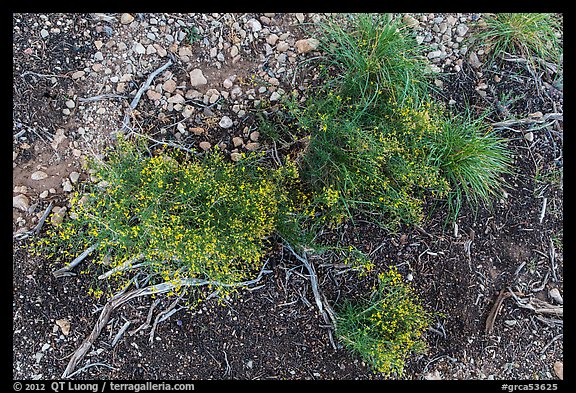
[275,331]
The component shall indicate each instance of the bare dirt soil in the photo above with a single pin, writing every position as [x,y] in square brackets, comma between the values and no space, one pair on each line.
[274,331]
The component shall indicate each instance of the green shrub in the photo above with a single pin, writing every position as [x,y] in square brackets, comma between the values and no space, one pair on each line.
[530,35]
[472,158]
[386,328]
[203,218]
[373,57]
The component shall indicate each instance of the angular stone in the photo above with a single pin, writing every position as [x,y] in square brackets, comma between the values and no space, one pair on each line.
[169,86]
[226,122]
[197,78]
[272,39]
[153,95]
[461,29]
[237,141]
[205,145]
[74,176]
[21,202]
[78,75]
[139,48]
[275,96]
[176,99]
[282,46]
[410,21]
[39,175]
[252,146]
[307,45]
[126,19]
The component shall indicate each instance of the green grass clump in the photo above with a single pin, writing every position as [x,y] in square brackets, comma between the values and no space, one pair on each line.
[472,158]
[203,218]
[530,35]
[371,56]
[378,148]
[386,328]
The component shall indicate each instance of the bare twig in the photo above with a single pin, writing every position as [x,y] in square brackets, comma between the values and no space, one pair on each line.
[495,310]
[66,270]
[325,310]
[171,144]
[129,264]
[36,230]
[552,256]
[529,120]
[142,89]
[551,342]
[101,97]
[121,298]
[91,365]
[120,333]
[543,211]
[158,316]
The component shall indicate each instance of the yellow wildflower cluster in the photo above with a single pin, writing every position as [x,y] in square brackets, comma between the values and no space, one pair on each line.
[388,328]
[204,218]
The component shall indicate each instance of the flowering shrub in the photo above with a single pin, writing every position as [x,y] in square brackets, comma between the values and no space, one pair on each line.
[386,328]
[205,218]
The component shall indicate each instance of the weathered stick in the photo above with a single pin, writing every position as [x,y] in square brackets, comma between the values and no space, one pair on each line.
[122,298]
[529,120]
[141,91]
[101,97]
[66,270]
[120,333]
[325,310]
[129,264]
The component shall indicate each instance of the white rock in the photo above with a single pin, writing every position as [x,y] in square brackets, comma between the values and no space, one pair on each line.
[66,186]
[126,19]
[70,104]
[64,326]
[434,54]
[461,29]
[272,39]
[21,202]
[529,136]
[227,83]
[559,369]
[153,95]
[410,21]
[275,96]
[139,48]
[78,75]
[254,25]
[169,86]
[252,146]
[282,46]
[226,122]
[197,78]
[39,175]
[150,50]
[74,176]
[554,293]
[254,136]
[235,156]
[234,51]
